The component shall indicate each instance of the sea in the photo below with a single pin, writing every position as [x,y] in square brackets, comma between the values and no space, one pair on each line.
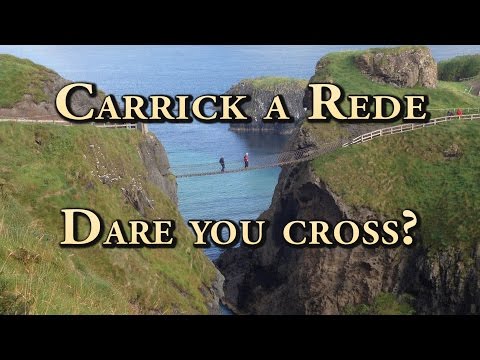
[197,70]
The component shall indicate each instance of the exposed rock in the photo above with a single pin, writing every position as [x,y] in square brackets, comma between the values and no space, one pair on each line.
[453,151]
[156,161]
[278,279]
[216,294]
[445,281]
[403,67]
[262,91]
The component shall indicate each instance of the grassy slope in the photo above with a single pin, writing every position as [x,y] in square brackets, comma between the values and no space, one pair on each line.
[38,276]
[341,70]
[408,170]
[19,77]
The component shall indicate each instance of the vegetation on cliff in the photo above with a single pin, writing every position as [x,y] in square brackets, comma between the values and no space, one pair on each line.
[458,68]
[393,173]
[28,90]
[340,68]
[384,304]
[433,171]
[19,77]
[44,168]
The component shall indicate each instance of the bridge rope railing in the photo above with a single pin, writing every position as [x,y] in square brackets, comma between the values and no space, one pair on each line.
[260,162]
[309,153]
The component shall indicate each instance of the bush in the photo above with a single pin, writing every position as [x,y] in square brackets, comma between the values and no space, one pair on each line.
[459,68]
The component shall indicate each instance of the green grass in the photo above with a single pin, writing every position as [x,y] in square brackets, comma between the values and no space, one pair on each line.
[384,304]
[459,68]
[407,171]
[273,83]
[37,276]
[340,68]
[342,71]
[19,77]
[411,171]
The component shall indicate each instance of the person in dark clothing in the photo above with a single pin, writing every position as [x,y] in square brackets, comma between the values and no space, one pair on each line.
[245,160]
[222,163]
[450,113]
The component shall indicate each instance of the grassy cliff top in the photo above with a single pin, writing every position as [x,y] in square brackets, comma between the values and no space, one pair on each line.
[340,68]
[407,171]
[411,171]
[44,168]
[273,83]
[19,77]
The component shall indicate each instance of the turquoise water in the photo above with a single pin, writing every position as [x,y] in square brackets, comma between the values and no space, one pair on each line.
[197,70]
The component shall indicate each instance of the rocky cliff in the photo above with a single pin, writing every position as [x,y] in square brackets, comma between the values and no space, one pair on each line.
[278,279]
[440,274]
[29,90]
[403,67]
[158,167]
[262,91]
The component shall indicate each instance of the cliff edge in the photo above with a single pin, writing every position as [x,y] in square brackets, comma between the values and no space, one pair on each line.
[430,171]
[28,90]
[120,174]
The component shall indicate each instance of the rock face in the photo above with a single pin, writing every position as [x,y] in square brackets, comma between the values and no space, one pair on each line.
[262,91]
[278,279]
[403,67]
[156,162]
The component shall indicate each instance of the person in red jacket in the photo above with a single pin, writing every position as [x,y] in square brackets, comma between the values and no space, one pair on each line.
[245,160]
[459,112]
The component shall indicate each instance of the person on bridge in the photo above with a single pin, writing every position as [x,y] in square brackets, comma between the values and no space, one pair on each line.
[449,113]
[459,112]
[245,160]
[222,163]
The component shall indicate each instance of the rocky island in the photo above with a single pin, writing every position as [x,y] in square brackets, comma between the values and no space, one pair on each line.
[262,91]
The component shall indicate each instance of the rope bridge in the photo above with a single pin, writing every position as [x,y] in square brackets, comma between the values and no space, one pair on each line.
[261,162]
[278,159]
[308,153]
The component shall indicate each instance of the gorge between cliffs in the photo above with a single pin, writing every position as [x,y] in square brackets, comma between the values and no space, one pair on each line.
[125,175]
